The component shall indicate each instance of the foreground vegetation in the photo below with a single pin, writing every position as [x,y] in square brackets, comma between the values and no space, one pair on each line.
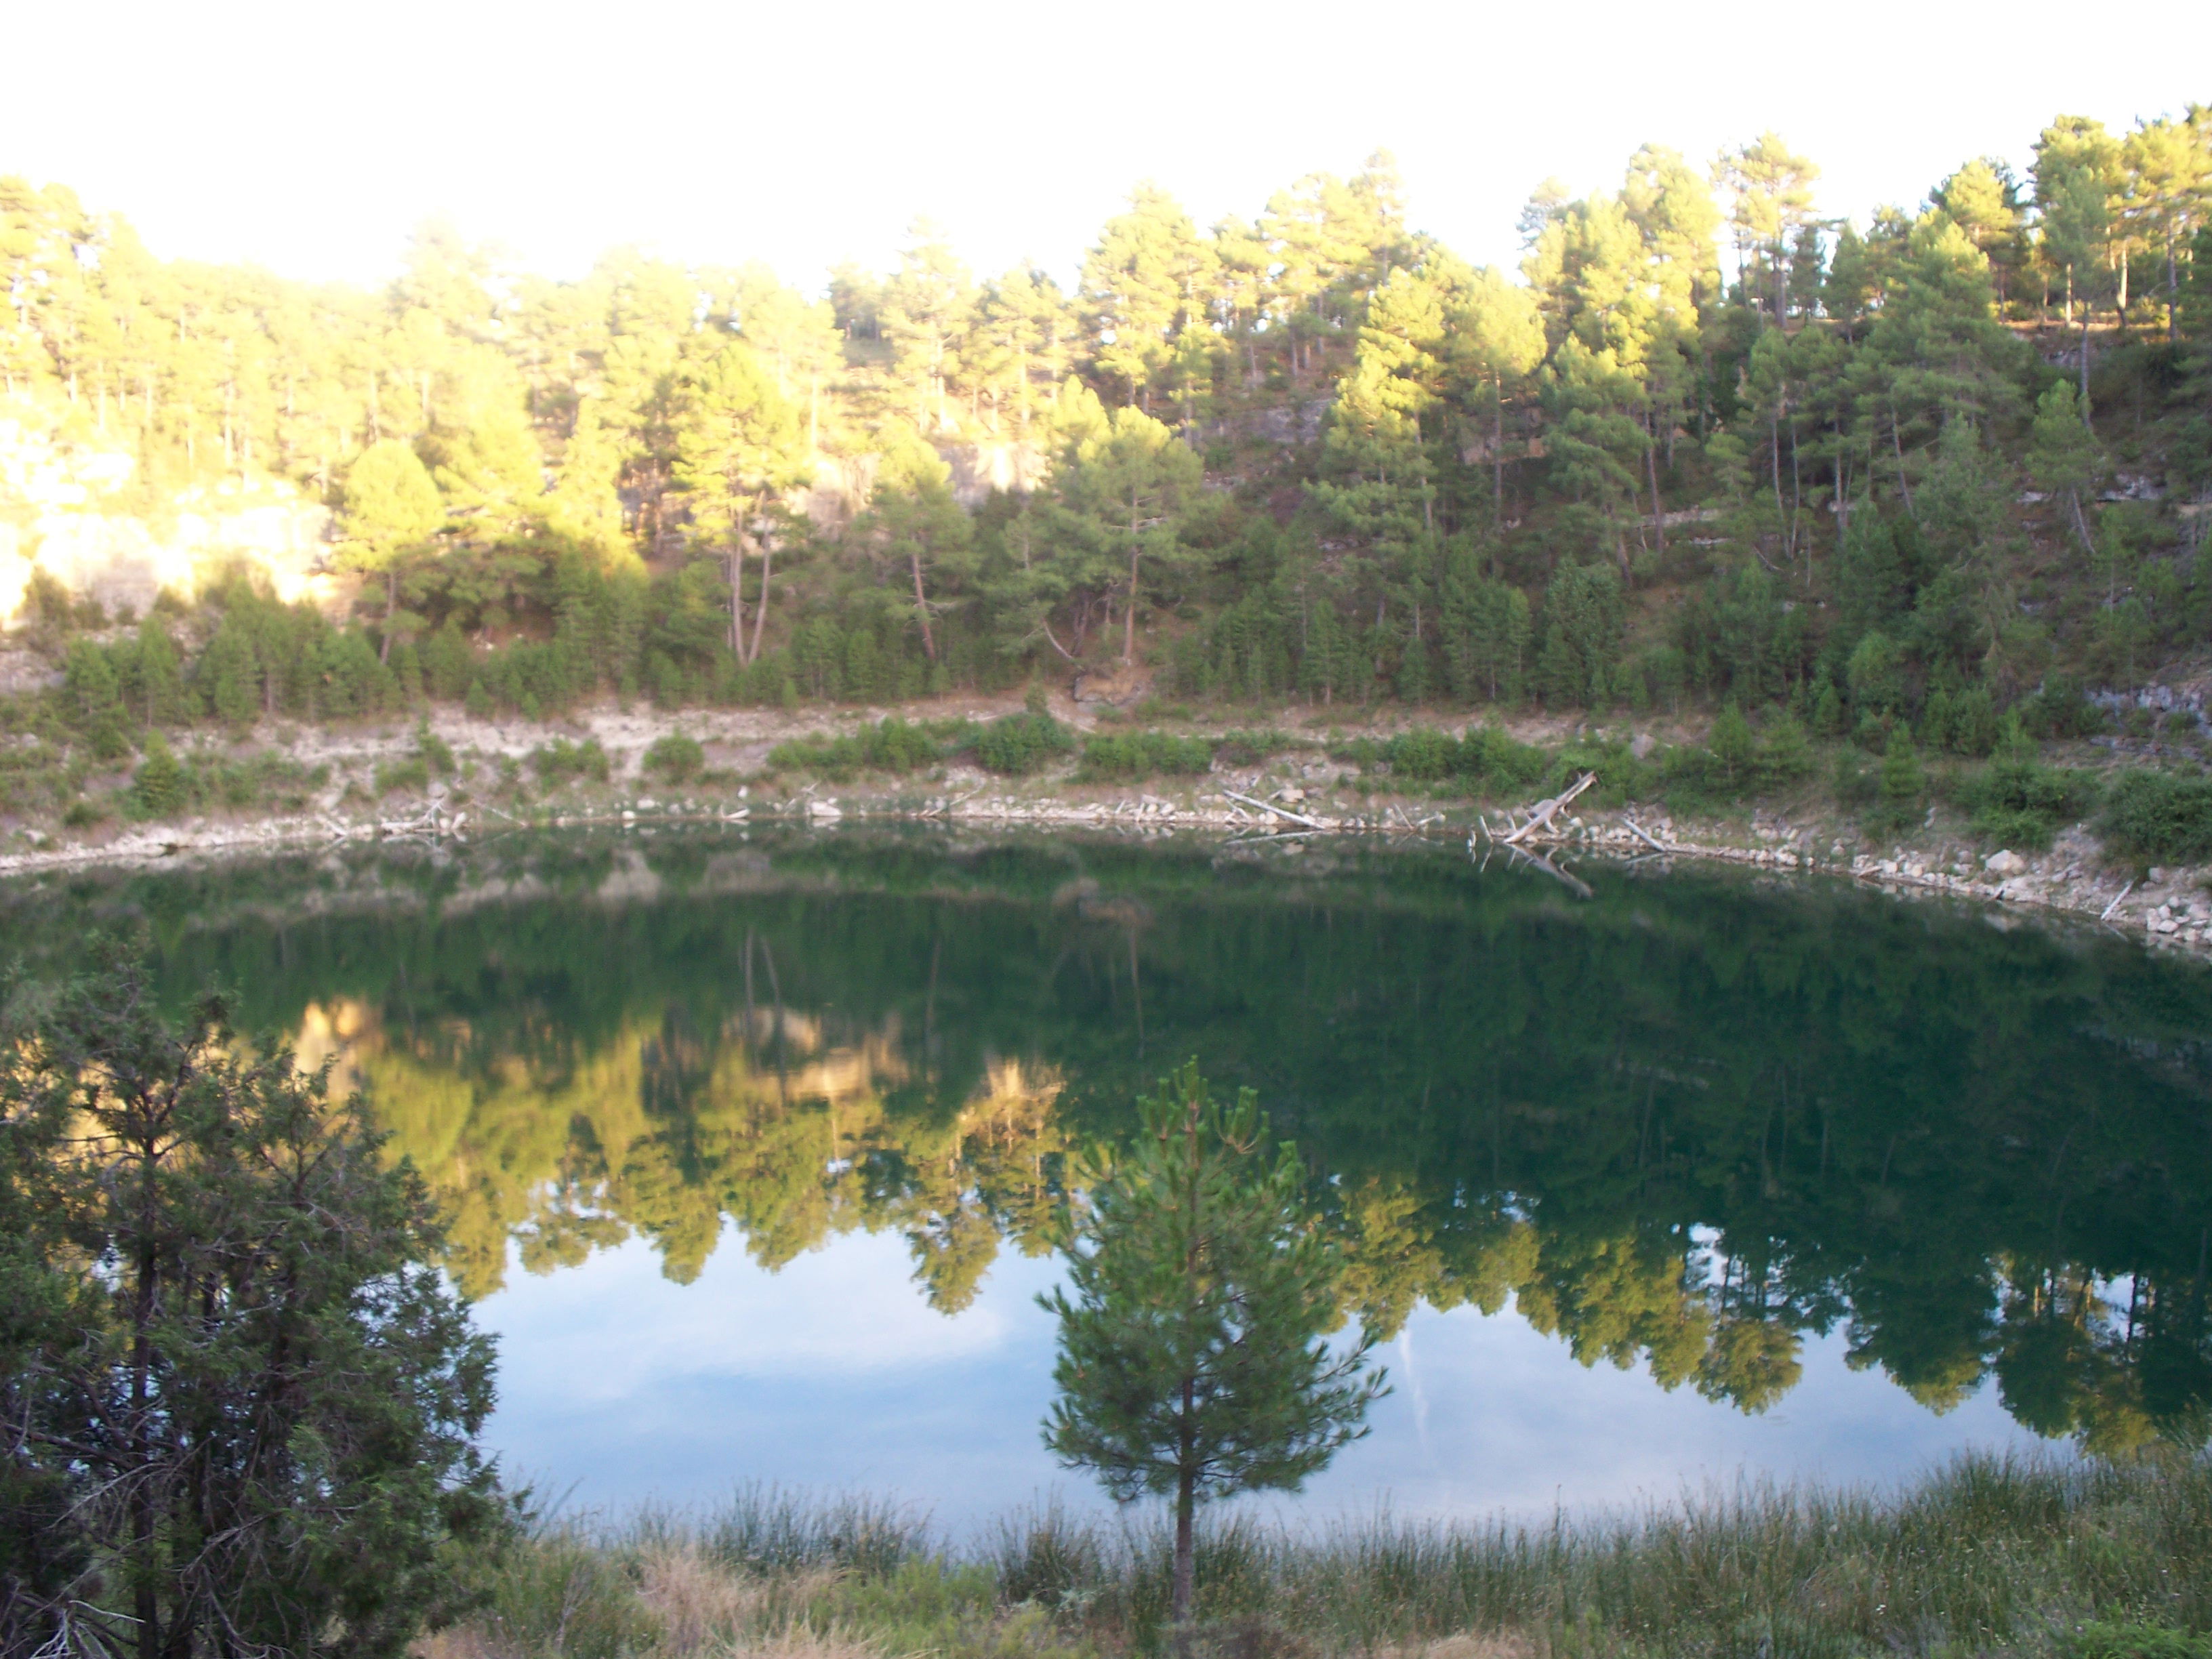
[2096,1560]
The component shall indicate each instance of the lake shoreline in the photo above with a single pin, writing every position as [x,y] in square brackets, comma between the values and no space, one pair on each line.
[2064,884]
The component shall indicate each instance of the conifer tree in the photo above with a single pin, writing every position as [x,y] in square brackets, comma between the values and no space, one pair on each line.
[738,446]
[1122,494]
[241,1402]
[391,508]
[1192,1359]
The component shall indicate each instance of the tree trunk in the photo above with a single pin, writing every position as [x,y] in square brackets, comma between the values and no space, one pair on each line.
[1185,1552]
[1497,451]
[1658,511]
[1129,622]
[760,609]
[2085,370]
[147,1596]
[391,605]
[2173,291]
[738,602]
[921,605]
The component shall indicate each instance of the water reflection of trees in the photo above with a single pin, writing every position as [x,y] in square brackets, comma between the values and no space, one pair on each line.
[772,1124]
[1685,1126]
[667,1132]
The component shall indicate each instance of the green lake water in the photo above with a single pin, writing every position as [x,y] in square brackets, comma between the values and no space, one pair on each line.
[753,1144]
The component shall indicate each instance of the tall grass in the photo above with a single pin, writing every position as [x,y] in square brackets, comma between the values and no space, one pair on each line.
[2103,1561]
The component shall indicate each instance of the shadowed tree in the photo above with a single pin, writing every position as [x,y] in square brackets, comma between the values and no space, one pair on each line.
[241,1402]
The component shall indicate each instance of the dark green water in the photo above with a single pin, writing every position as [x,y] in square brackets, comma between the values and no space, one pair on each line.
[767,1133]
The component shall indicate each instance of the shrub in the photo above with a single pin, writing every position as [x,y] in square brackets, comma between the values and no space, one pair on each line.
[160,782]
[2160,816]
[561,762]
[675,758]
[1900,783]
[1423,755]
[1856,783]
[1250,748]
[83,812]
[1488,755]
[413,772]
[1015,744]
[1785,757]
[2057,710]
[436,754]
[2017,801]
[891,746]
[1135,754]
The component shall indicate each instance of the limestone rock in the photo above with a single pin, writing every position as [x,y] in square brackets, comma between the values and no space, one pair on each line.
[2005,862]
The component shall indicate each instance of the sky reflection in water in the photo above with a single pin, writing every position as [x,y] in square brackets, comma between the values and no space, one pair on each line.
[621,1386]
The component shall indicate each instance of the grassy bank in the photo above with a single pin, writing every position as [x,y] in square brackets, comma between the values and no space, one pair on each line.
[2100,1561]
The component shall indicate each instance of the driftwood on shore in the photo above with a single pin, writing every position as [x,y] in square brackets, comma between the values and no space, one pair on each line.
[1268,806]
[1540,816]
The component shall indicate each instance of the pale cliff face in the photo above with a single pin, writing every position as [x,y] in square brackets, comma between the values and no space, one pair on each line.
[62,509]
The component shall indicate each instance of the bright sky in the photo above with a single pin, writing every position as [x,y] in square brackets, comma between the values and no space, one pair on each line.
[309,137]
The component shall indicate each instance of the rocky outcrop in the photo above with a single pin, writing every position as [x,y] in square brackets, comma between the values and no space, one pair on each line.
[67,508]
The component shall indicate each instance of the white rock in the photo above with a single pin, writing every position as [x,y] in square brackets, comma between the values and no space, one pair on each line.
[2004,862]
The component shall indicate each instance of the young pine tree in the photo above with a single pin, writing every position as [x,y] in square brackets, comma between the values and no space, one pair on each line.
[1192,1361]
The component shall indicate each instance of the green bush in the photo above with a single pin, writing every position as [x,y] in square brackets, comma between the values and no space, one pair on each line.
[436,753]
[2017,801]
[1899,784]
[1785,756]
[1250,748]
[891,744]
[2162,818]
[675,758]
[83,812]
[1016,744]
[1423,754]
[1134,754]
[160,782]
[1856,782]
[2057,710]
[562,761]
[1738,762]
[413,772]
[1487,754]
[1486,758]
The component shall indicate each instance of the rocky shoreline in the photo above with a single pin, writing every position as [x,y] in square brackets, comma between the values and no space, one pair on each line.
[2170,909]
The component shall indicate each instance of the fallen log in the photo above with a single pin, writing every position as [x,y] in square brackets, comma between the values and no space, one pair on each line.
[1541,815]
[1267,806]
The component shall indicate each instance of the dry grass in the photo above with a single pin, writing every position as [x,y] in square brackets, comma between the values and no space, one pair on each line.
[1991,1556]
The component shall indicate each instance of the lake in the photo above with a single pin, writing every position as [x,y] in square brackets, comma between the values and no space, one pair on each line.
[754,1142]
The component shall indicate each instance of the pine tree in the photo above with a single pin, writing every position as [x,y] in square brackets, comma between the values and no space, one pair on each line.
[1192,1359]
[94,701]
[391,508]
[738,446]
